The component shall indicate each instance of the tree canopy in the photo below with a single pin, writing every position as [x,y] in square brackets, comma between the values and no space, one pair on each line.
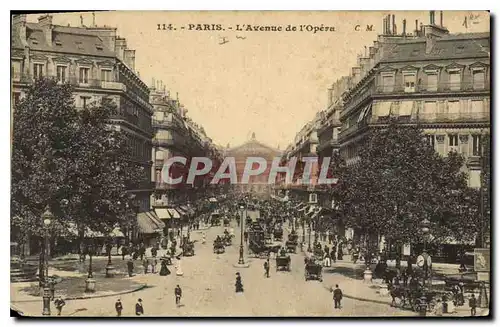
[71,160]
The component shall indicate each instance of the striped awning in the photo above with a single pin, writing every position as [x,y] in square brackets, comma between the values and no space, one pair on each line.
[163,213]
[149,223]
[174,213]
[180,211]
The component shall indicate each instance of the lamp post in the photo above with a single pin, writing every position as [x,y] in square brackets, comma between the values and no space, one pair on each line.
[309,232]
[241,259]
[109,266]
[47,217]
[425,256]
[90,281]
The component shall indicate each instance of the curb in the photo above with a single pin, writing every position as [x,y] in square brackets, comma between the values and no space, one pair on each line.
[139,288]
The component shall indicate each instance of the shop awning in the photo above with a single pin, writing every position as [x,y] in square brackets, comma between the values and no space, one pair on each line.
[180,211]
[163,213]
[384,108]
[316,213]
[299,205]
[311,210]
[405,108]
[187,210]
[173,213]
[363,112]
[148,223]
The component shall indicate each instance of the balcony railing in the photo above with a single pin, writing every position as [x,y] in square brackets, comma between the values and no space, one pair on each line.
[440,88]
[75,81]
[453,117]
[165,123]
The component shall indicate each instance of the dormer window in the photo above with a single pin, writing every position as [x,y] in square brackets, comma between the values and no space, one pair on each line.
[410,81]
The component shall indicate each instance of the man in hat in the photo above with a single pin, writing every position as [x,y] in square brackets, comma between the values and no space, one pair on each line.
[238,284]
[178,295]
[139,309]
[130,267]
[59,303]
[118,308]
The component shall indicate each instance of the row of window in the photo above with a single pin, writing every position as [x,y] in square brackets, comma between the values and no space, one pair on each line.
[454,82]
[456,143]
[84,75]
[140,148]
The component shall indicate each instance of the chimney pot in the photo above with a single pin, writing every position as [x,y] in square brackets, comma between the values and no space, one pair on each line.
[441,18]
[404,27]
[394,24]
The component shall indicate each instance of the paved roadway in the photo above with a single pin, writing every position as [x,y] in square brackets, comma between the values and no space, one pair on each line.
[208,290]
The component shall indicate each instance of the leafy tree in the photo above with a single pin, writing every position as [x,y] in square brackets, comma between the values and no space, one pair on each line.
[70,160]
[399,181]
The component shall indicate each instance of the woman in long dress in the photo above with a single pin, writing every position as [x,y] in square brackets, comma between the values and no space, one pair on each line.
[164,271]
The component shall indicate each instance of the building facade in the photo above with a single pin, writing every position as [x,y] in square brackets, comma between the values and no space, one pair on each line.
[437,80]
[257,185]
[98,64]
[176,135]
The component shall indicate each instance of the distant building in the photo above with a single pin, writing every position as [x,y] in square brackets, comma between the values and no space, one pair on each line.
[98,64]
[257,184]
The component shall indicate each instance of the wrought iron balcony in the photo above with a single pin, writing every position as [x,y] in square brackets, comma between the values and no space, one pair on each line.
[439,88]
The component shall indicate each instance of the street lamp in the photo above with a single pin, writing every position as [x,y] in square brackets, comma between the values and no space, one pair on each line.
[90,281]
[241,260]
[309,231]
[109,266]
[47,217]
[424,259]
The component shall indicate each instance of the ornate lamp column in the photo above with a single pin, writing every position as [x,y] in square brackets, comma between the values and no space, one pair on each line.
[47,217]
[241,260]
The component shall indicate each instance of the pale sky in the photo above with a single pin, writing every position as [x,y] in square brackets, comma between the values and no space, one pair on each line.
[270,83]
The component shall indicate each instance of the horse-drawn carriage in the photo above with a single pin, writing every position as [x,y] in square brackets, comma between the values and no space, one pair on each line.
[283,262]
[188,249]
[291,243]
[313,269]
[414,297]
[278,234]
[215,219]
[219,246]
[227,239]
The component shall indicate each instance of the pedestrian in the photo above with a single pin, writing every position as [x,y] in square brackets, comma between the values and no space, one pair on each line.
[154,252]
[139,309]
[333,255]
[59,303]
[118,308]
[337,297]
[472,305]
[340,254]
[164,271]
[178,295]
[266,268]
[203,238]
[145,264]
[154,263]
[438,308]
[124,251]
[130,267]
[238,285]
[142,250]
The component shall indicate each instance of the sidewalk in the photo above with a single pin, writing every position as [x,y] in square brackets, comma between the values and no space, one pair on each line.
[72,276]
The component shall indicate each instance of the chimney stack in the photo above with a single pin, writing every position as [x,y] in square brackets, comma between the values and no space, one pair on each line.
[431,17]
[19,27]
[404,27]
[45,22]
[384,24]
[389,24]
[153,83]
[393,24]
[441,18]
[416,27]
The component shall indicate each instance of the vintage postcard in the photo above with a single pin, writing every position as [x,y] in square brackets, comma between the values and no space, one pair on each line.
[250,164]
